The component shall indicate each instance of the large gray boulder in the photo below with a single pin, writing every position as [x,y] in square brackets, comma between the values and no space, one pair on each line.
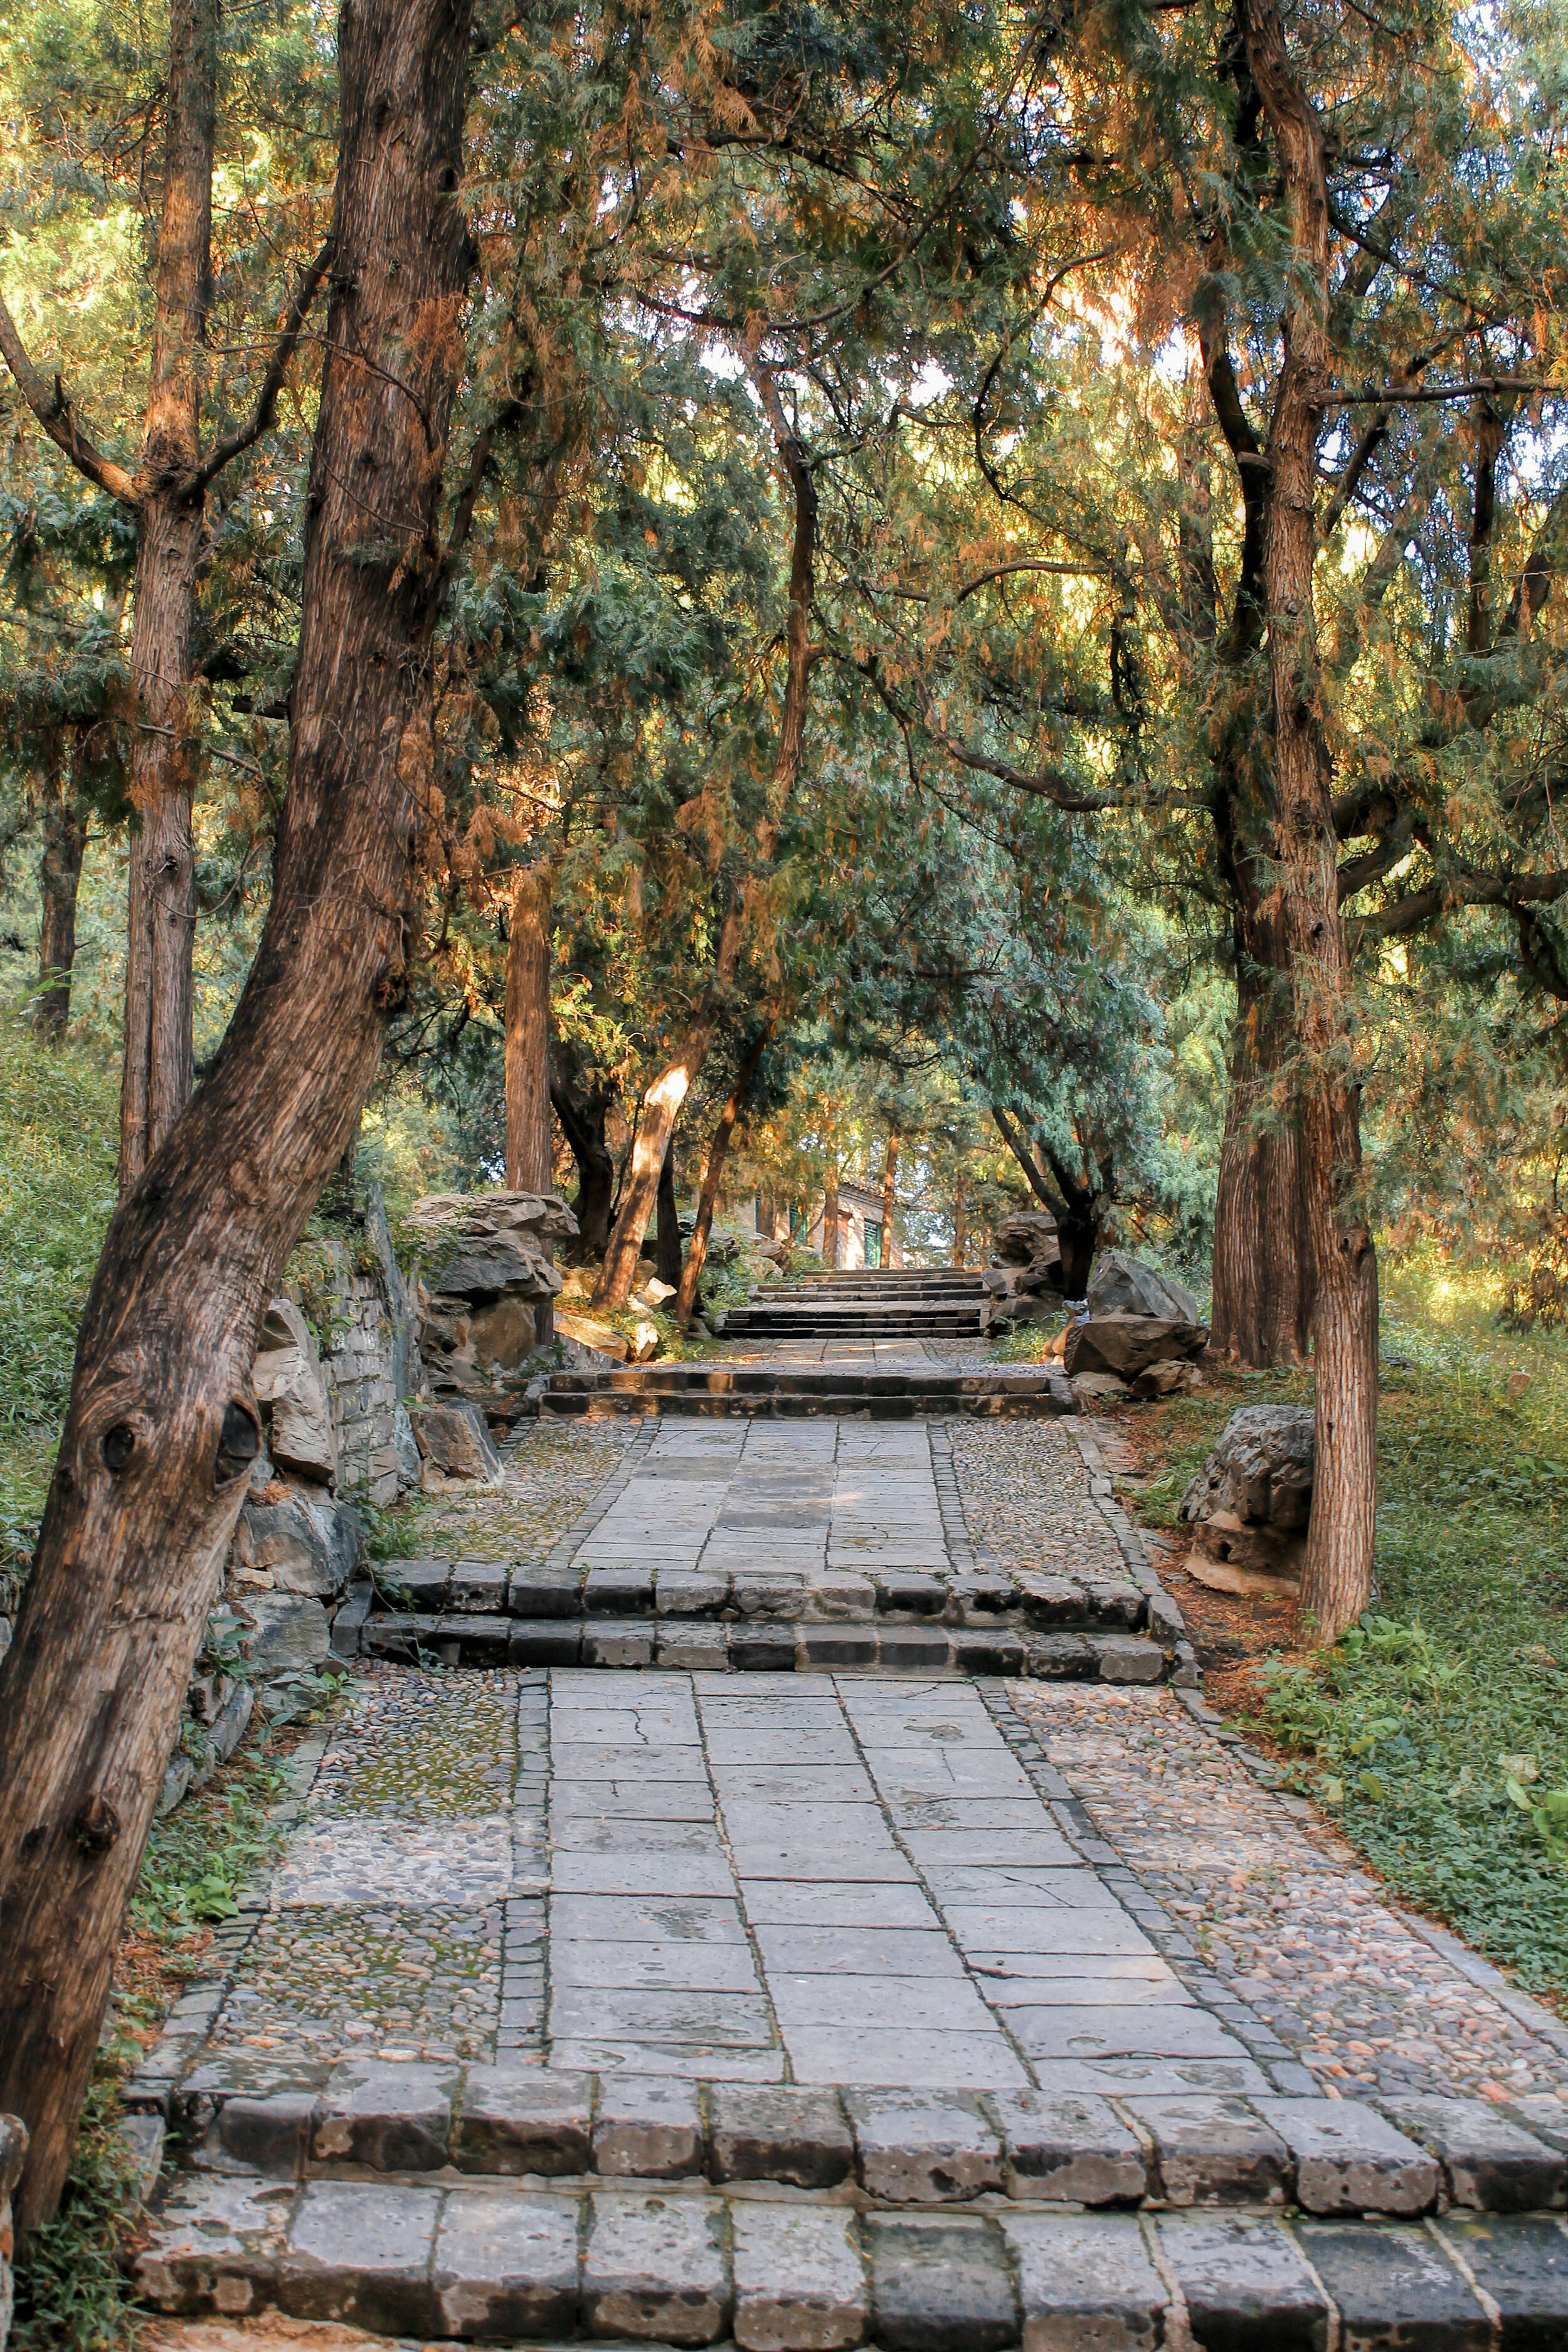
[1121,1284]
[288,1633]
[295,1542]
[291,1390]
[486,1302]
[1250,1504]
[454,1446]
[1127,1344]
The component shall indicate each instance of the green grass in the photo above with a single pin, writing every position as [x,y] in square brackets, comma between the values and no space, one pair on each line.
[1456,1684]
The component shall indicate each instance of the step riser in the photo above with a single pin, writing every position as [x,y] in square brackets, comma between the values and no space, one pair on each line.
[807,1647]
[787,1408]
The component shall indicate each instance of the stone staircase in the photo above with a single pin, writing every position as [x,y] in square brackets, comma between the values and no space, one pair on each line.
[508,2202]
[896,1303]
[790,1392]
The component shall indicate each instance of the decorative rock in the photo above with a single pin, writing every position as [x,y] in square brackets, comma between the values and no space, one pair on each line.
[1491,2164]
[1396,2287]
[505,2265]
[795,2135]
[455,1445]
[362,2253]
[1163,1378]
[1072,2151]
[290,1632]
[1120,1285]
[392,2116]
[1086,2281]
[296,1407]
[1250,1502]
[406,1447]
[1126,1345]
[940,2284]
[1028,1238]
[1349,2160]
[655,2269]
[799,2282]
[603,1338]
[1119,1658]
[648,2128]
[1245,2283]
[298,1543]
[923,2147]
[523,2119]
[1213,2151]
[1092,1388]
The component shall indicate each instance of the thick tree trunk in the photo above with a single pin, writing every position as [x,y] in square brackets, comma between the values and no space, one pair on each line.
[528,1138]
[666,1242]
[1336,1575]
[959,1226]
[163,1426]
[582,1125]
[1263,1257]
[830,1221]
[59,876]
[162,912]
[697,1252]
[889,1178]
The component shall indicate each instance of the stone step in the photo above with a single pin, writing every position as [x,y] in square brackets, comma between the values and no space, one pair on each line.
[796,1392]
[689,2265]
[520,2119]
[760,1645]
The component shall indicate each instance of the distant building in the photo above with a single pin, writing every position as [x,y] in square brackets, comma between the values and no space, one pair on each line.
[859,1224]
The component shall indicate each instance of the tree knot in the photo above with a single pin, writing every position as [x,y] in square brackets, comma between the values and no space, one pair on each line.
[95,1826]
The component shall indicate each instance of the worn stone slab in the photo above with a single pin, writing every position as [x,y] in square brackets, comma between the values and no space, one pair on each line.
[800,2281]
[270,2134]
[478,1586]
[1245,2284]
[1523,2265]
[544,1592]
[940,2284]
[1394,2288]
[1072,2151]
[1085,2282]
[520,2119]
[654,2268]
[216,2247]
[648,2128]
[360,2251]
[1212,2150]
[544,1641]
[1490,2164]
[1349,2159]
[505,2265]
[920,2147]
[394,2117]
[797,2135]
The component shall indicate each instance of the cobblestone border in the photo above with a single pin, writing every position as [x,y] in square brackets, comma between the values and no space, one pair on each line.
[1165,1619]
[967,1558]
[1288,2076]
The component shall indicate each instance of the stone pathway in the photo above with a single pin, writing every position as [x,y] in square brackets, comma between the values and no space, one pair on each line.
[912,1941]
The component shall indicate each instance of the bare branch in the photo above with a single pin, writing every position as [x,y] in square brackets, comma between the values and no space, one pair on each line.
[266,408]
[54,413]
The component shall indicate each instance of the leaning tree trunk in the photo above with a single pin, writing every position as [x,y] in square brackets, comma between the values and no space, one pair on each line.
[707,1194]
[1263,1254]
[830,1221]
[59,878]
[527,1141]
[667,1244]
[1336,1573]
[162,911]
[162,1427]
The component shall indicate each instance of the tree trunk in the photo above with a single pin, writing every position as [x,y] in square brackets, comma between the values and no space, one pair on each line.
[162,909]
[582,1125]
[666,1242]
[528,1139]
[162,1427]
[1336,1574]
[59,876]
[890,1177]
[1263,1257]
[697,1254]
[662,1102]
[830,1219]
[959,1231]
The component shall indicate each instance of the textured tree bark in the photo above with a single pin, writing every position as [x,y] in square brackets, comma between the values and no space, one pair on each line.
[1336,1574]
[1263,1286]
[582,1124]
[59,876]
[528,1138]
[959,1226]
[707,1194]
[666,1242]
[163,1426]
[889,1178]
[662,1102]
[830,1219]
[162,911]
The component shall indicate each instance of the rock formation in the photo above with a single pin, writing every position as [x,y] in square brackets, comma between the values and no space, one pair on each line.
[487,1290]
[1250,1504]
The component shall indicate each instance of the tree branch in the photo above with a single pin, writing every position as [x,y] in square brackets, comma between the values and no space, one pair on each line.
[54,413]
[266,408]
